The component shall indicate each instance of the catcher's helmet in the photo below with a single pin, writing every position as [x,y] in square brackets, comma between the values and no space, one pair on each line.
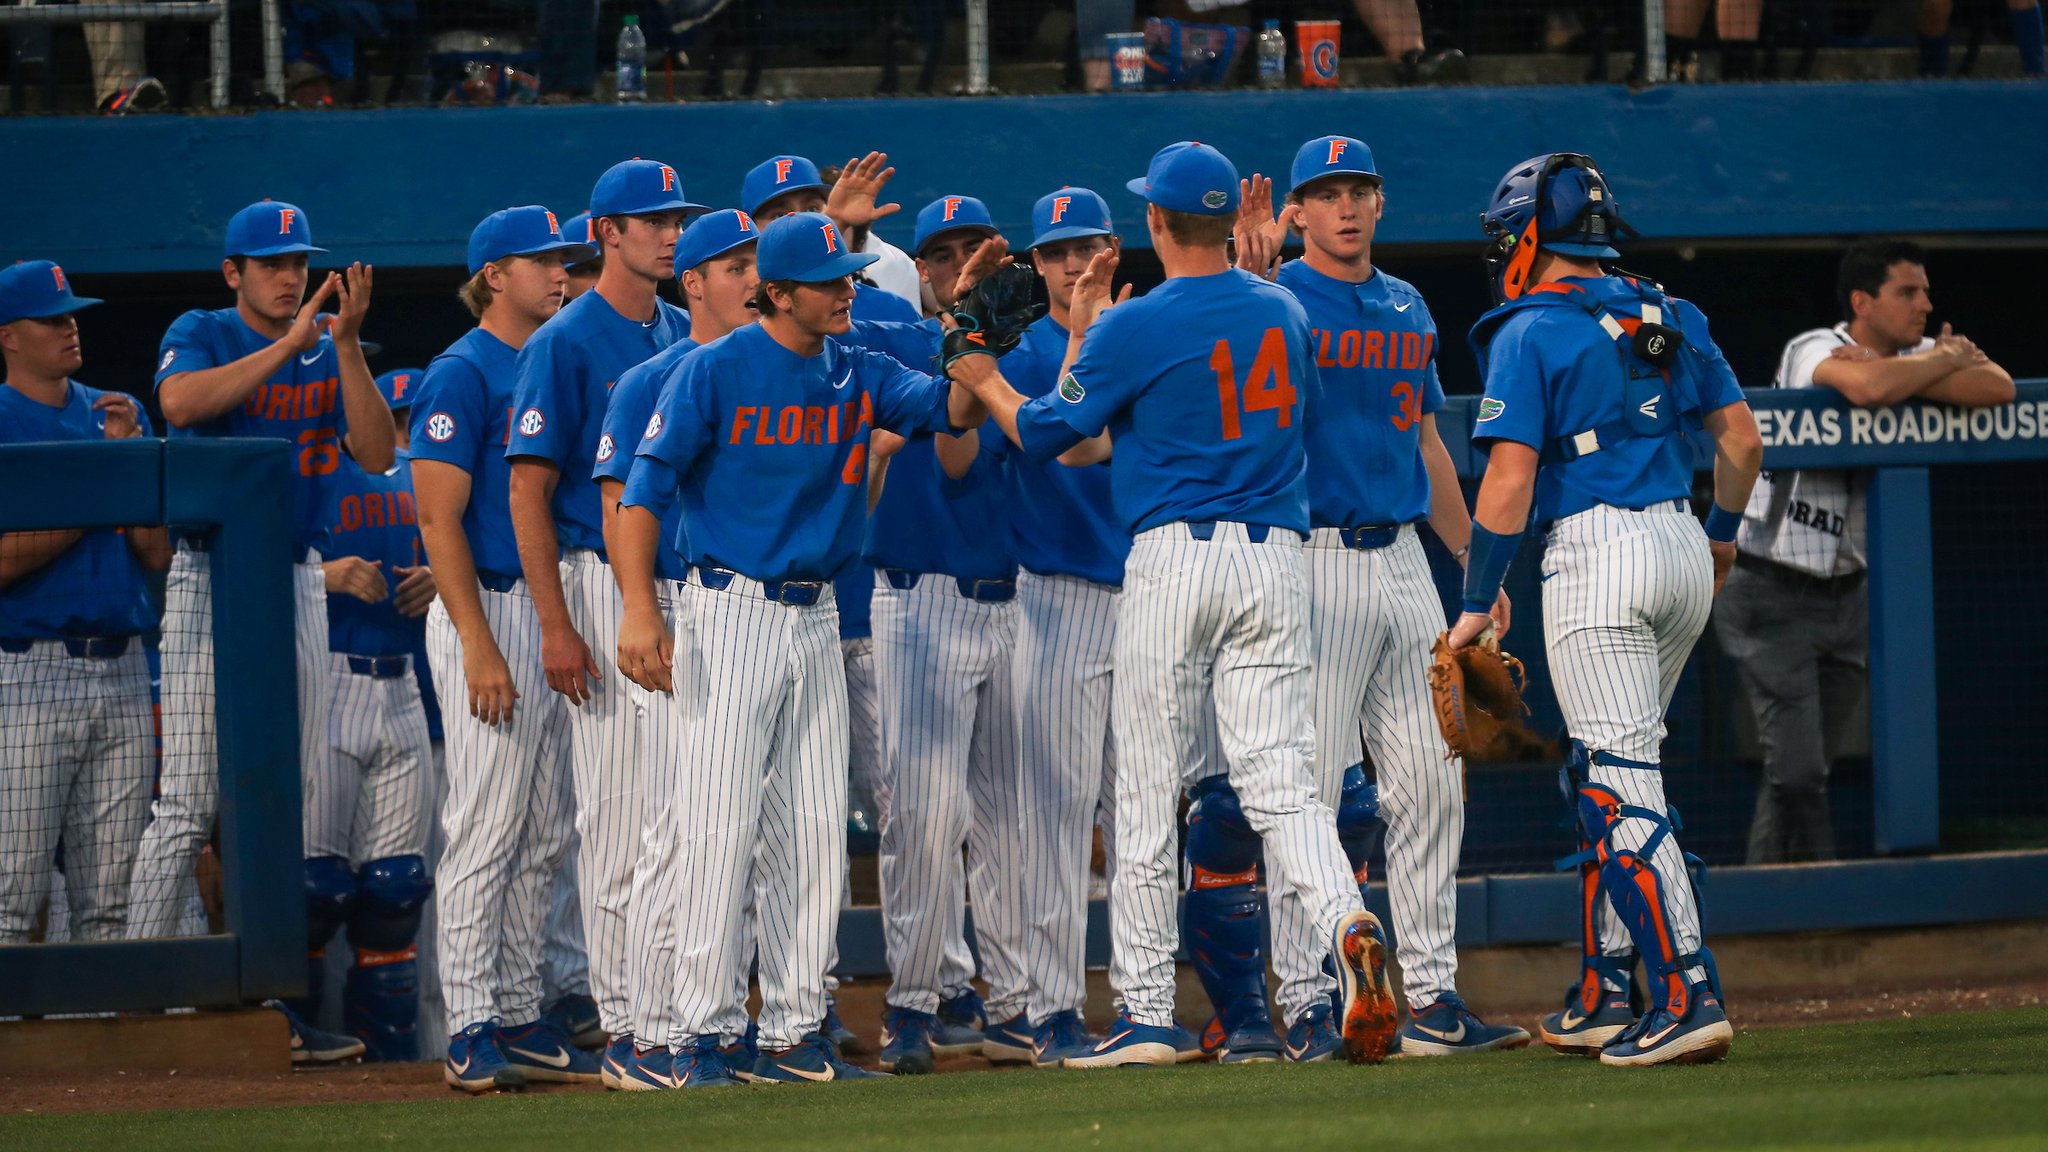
[1557,201]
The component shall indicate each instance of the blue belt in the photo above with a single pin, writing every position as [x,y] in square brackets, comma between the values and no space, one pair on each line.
[1369,537]
[1678,505]
[378,667]
[98,647]
[980,591]
[801,593]
[495,581]
[1255,533]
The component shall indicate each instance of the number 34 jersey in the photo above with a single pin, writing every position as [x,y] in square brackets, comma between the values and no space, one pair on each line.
[300,403]
[1375,347]
[1205,384]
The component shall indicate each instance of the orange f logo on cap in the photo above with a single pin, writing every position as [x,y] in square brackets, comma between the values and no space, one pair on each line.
[58,273]
[831,232]
[285,216]
[1336,151]
[952,206]
[1059,207]
[553,226]
[746,221]
[782,170]
[668,178]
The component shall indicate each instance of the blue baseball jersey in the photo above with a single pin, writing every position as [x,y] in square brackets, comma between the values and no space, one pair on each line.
[95,587]
[1552,371]
[565,372]
[1204,385]
[768,450]
[463,417]
[300,403]
[854,591]
[1063,520]
[374,517]
[1376,349]
[927,521]
[872,303]
[625,422]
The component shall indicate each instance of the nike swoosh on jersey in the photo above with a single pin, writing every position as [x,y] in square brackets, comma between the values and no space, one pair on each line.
[1401,307]
[827,1074]
[1454,1036]
[309,357]
[844,380]
[558,1059]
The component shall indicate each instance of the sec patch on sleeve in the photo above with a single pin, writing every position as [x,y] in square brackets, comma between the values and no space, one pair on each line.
[1490,408]
[531,422]
[605,448]
[1071,390]
[440,427]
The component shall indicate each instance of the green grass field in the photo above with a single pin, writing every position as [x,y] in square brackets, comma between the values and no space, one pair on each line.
[1945,1082]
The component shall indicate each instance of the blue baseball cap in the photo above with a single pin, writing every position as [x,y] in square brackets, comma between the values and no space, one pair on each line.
[639,187]
[398,385]
[582,228]
[1331,156]
[806,247]
[777,176]
[947,214]
[1190,177]
[36,289]
[714,235]
[270,228]
[1069,214]
[528,231]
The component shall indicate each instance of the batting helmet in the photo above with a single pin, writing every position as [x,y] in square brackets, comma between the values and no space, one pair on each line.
[1558,202]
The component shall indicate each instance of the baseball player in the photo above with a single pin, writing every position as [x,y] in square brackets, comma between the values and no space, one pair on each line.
[1071,547]
[781,185]
[506,819]
[715,266]
[944,631]
[1591,379]
[565,372]
[74,604]
[273,366]
[1205,384]
[582,274]
[1376,466]
[762,437]
[370,815]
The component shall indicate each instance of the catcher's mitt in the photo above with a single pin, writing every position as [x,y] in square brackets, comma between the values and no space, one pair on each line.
[993,315]
[1478,695]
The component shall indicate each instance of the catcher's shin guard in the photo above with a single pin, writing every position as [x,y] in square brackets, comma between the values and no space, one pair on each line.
[381,1001]
[1630,879]
[1224,915]
[1358,822]
[330,900]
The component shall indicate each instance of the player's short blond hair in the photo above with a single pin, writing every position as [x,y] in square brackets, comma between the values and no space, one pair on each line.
[477,294]
[1195,231]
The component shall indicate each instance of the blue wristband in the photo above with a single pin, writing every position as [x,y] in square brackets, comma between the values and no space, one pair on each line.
[1487,565]
[1721,524]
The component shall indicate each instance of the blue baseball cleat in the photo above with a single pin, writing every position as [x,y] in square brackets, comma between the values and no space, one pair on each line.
[1367,1018]
[1447,1028]
[703,1064]
[1314,1036]
[957,1026]
[1700,1036]
[651,1070]
[575,1016]
[906,1041]
[311,1046]
[811,1059]
[1131,1043]
[618,1056]
[544,1055]
[1253,1043]
[1574,1032]
[1187,1047]
[476,1063]
[1059,1036]
[836,1032]
[1011,1042]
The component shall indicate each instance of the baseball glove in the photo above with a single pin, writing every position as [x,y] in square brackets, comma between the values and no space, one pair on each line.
[1478,695]
[992,317]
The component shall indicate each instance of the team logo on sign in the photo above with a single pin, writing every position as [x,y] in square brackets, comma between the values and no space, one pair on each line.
[653,427]
[531,422]
[1215,199]
[440,427]
[1071,390]
[1490,408]
[605,447]
[1324,58]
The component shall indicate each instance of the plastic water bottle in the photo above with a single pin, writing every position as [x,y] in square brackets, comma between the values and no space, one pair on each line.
[632,62]
[1272,56]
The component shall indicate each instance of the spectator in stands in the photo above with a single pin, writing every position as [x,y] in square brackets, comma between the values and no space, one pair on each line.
[118,84]
[1794,611]
[1735,23]
[2025,16]
[320,39]
[1396,24]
